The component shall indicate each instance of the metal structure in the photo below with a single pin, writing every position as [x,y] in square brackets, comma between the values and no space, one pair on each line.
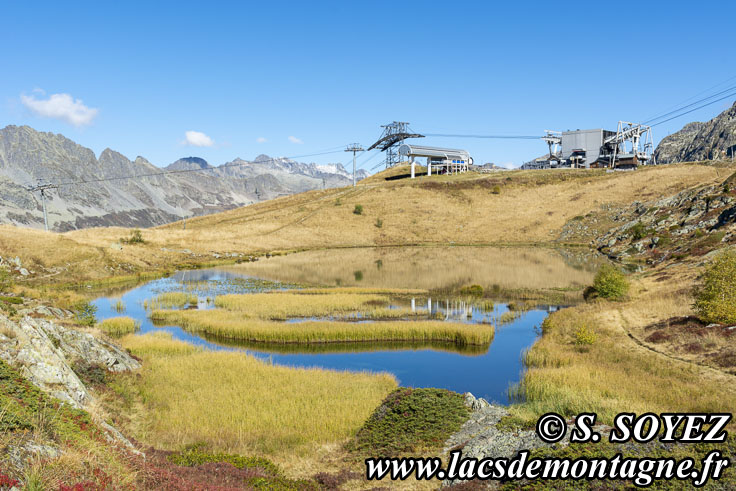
[626,148]
[355,148]
[43,188]
[554,142]
[445,160]
[393,135]
[632,145]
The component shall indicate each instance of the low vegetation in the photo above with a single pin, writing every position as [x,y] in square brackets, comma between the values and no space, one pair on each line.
[30,417]
[6,280]
[232,325]
[168,300]
[85,312]
[715,299]
[118,326]
[568,380]
[236,403]
[411,421]
[136,237]
[610,283]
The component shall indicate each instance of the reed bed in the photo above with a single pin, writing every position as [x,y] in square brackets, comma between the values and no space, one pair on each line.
[119,306]
[169,300]
[232,325]
[118,326]
[282,305]
[236,403]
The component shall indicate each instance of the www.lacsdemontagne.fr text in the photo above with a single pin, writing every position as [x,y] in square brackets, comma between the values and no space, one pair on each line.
[641,471]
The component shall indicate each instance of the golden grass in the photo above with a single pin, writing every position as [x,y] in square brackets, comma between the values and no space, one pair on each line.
[281,305]
[168,300]
[118,326]
[236,403]
[616,373]
[232,325]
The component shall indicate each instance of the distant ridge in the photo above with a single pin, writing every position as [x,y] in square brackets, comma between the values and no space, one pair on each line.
[27,155]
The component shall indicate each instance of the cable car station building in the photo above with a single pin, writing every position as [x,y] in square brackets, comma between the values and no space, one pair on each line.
[439,160]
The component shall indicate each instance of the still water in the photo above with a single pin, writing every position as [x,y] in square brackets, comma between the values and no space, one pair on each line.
[485,371]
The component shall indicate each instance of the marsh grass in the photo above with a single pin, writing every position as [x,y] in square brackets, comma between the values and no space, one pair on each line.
[118,326]
[610,375]
[232,325]
[169,300]
[282,305]
[119,306]
[236,403]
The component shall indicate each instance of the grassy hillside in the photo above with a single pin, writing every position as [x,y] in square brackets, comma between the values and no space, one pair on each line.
[502,208]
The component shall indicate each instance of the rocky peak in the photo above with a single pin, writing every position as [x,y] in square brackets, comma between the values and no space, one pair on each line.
[189,163]
[715,139]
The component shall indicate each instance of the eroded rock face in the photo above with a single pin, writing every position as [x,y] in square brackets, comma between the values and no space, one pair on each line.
[713,140]
[44,352]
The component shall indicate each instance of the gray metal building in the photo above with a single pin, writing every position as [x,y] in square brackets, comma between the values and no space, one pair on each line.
[583,148]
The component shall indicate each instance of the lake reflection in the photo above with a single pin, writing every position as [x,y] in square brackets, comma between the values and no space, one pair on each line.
[486,371]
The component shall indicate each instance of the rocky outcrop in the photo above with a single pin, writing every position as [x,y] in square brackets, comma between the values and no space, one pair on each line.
[713,140]
[44,352]
[690,223]
[480,437]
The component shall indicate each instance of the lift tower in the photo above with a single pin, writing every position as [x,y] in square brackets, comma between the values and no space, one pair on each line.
[355,148]
[393,135]
[43,188]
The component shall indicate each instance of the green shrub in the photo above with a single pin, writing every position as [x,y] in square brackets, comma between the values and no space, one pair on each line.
[496,190]
[610,282]
[584,335]
[715,299]
[473,290]
[638,231]
[136,237]
[358,209]
[379,223]
[85,313]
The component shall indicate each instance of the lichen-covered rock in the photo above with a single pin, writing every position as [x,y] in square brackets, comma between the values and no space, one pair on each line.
[44,352]
[481,438]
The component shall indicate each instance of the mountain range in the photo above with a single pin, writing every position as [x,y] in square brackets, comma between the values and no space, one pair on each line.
[96,191]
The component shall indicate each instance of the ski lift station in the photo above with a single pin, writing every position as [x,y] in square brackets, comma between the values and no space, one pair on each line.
[439,160]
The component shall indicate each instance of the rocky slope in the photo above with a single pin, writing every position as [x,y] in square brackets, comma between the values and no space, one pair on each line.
[691,223]
[27,156]
[713,140]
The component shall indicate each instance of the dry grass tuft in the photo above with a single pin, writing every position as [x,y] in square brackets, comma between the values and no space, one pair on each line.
[118,326]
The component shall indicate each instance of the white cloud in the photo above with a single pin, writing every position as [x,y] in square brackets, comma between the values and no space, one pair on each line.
[261,139]
[198,139]
[60,106]
[294,139]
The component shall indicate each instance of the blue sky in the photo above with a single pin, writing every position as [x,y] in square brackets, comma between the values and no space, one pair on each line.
[292,78]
